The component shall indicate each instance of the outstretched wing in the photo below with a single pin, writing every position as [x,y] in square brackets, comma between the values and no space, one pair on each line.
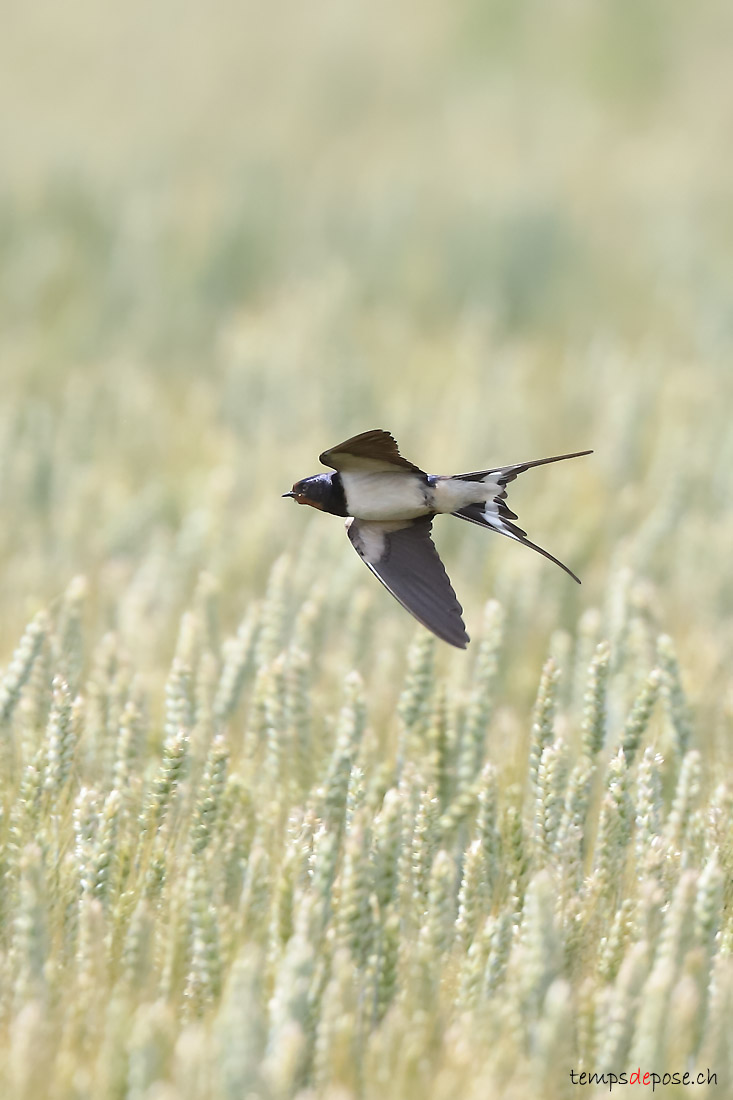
[374,451]
[403,557]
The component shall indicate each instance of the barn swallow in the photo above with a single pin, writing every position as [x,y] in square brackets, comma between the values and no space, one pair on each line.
[391,504]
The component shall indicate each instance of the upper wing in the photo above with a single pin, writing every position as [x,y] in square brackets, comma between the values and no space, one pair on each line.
[402,555]
[375,450]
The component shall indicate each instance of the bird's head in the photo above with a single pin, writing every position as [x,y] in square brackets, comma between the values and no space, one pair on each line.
[315,491]
[322,491]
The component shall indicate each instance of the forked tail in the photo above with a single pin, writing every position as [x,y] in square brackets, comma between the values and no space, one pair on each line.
[493,511]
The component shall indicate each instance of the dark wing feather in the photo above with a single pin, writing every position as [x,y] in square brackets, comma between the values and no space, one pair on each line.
[376,450]
[405,560]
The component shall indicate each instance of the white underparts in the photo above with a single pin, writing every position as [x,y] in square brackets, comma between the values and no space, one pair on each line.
[452,493]
[385,496]
[394,496]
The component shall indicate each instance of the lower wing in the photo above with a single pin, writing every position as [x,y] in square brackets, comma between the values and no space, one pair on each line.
[402,555]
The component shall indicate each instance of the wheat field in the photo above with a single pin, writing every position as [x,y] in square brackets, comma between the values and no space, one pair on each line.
[261,836]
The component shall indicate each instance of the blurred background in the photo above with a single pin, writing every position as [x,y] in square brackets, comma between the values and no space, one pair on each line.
[234,234]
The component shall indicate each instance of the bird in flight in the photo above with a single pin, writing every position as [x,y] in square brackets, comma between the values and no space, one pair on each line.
[391,504]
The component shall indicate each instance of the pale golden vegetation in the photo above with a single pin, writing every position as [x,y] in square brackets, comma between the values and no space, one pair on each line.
[260,836]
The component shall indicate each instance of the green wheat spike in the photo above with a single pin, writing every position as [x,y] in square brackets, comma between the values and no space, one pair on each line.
[569,842]
[648,810]
[542,732]
[551,778]
[513,838]
[272,615]
[208,802]
[418,681]
[60,739]
[436,933]
[349,729]
[472,895]
[673,693]
[487,825]
[612,946]
[178,700]
[539,944]
[277,749]
[414,701]
[336,1047]
[708,902]
[614,827]
[203,980]
[30,932]
[206,604]
[203,704]
[292,1026]
[188,644]
[586,645]
[166,783]
[615,1021]
[685,797]
[354,918]
[21,665]
[136,953]
[239,1028]
[438,763]
[104,856]
[638,719]
[649,1037]
[594,701]
[69,634]
[424,843]
[386,847]
[238,659]
[255,898]
[125,771]
[473,968]
[298,672]
[480,705]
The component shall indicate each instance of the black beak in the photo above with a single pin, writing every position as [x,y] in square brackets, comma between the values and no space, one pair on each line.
[290,494]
